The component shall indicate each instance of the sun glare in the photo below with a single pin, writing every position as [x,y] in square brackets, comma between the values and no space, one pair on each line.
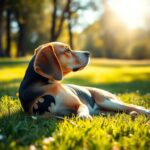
[131,12]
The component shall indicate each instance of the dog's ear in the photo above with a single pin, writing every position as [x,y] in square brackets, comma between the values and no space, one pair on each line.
[40,47]
[46,62]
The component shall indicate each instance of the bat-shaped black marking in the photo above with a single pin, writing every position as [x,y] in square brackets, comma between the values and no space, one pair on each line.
[43,107]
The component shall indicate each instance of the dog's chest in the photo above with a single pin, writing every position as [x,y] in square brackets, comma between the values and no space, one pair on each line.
[65,102]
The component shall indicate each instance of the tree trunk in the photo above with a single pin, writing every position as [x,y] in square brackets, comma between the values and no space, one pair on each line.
[54,17]
[70,35]
[1,32]
[8,33]
[70,26]
[62,20]
[1,26]
[21,40]
[55,32]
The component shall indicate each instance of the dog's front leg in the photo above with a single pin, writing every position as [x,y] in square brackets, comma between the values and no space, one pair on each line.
[83,112]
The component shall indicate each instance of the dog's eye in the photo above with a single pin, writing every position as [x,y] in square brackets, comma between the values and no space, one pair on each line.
[68,50]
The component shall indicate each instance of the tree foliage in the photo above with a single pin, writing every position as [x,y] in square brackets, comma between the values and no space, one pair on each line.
[26,24]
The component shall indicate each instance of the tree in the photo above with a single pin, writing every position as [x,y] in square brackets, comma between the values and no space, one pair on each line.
[21,11]
[67,9]
[57,29]
[8,32]
[22,23]
[1,25]
[69,17]
[53,26]
[5,6]
[24,14]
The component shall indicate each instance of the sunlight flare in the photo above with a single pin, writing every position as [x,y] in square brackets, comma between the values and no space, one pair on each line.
[132,12]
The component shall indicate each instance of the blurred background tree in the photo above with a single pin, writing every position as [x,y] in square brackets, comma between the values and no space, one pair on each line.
[107,28]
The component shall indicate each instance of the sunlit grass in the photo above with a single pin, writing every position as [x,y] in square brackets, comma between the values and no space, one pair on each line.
[104,71]
[98,71]
[8,74]
[130,80]
[114,74]
[11,69]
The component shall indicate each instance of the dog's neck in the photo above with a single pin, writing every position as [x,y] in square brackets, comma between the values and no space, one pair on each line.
[32,77]
[52,81]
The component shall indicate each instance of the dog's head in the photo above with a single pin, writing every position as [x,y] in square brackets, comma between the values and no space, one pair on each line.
[53,60]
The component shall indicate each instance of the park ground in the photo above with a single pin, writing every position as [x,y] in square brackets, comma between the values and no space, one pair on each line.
[129,80]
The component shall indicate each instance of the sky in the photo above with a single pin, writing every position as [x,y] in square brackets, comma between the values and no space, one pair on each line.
[131,12]
[88,16]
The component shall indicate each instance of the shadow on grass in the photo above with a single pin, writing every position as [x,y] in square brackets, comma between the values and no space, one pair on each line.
[24,130]
[119,63]
[9,87]
[120,87]
[12,63]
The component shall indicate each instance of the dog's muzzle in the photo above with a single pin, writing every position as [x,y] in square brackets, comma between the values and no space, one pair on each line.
[87,55]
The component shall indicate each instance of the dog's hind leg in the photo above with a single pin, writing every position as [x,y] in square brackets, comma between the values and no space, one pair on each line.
[110,102]
[118,106]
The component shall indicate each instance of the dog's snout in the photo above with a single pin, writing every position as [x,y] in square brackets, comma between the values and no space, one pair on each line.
[87,53]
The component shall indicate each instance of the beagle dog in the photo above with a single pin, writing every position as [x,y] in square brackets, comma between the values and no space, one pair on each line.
[41,91]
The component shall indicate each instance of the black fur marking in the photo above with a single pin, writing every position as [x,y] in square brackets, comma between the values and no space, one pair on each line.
[27,94]
[75,69]
[84,95]
[43,107]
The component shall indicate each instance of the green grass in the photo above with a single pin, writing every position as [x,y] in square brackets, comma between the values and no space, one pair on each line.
[130,80]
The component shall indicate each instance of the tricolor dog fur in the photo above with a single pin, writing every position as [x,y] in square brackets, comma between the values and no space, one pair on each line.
[41,91]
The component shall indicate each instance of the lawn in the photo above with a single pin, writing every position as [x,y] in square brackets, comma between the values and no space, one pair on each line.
[129,80]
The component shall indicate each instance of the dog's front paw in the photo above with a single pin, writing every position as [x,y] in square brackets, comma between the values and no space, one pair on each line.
[84,116]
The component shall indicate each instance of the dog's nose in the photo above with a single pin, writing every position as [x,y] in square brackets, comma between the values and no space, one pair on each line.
[87,53]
